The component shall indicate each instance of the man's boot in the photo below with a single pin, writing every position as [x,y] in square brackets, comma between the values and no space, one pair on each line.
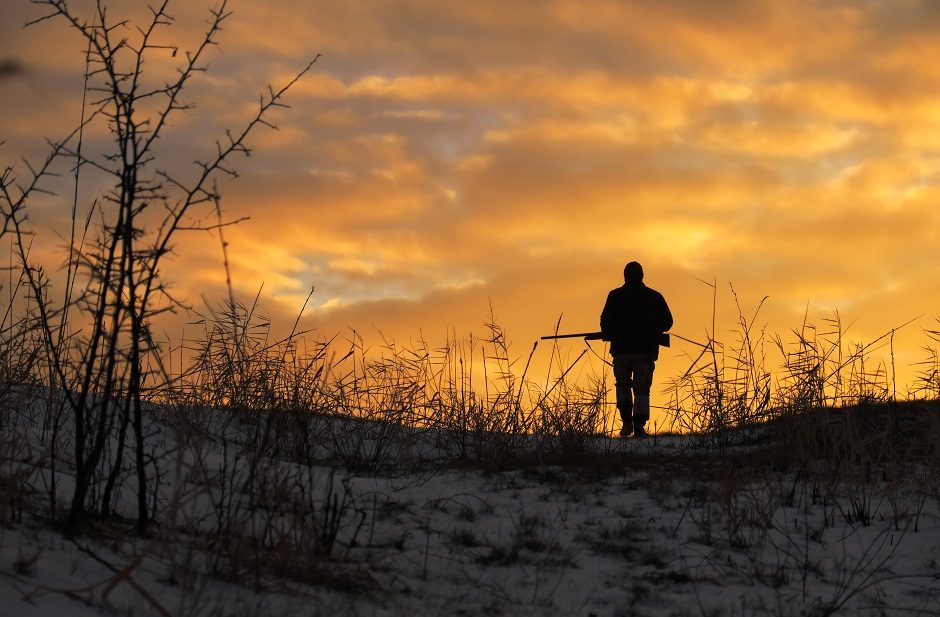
[640,415]
[626,417]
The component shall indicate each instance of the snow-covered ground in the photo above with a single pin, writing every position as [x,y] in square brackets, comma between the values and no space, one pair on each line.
[644,527]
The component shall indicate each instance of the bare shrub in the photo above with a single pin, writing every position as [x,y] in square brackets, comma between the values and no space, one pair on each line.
[99,359]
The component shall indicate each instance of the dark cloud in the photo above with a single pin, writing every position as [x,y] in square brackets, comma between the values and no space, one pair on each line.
[10,68]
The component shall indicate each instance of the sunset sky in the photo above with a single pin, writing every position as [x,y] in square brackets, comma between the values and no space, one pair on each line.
[444,156]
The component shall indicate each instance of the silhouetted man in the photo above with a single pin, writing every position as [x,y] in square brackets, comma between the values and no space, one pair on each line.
[633,320]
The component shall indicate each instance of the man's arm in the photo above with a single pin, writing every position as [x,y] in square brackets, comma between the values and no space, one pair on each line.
[665,315]
[607,317]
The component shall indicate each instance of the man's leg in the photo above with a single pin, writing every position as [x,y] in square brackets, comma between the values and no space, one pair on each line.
[642,383]
[624,384]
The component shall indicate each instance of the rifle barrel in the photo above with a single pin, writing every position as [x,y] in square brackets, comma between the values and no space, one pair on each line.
[586,335]
[599,336]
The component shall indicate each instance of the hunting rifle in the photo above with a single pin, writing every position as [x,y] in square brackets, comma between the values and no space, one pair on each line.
[599,336]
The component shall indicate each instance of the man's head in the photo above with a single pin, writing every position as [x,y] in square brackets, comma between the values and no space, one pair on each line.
[633,272]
